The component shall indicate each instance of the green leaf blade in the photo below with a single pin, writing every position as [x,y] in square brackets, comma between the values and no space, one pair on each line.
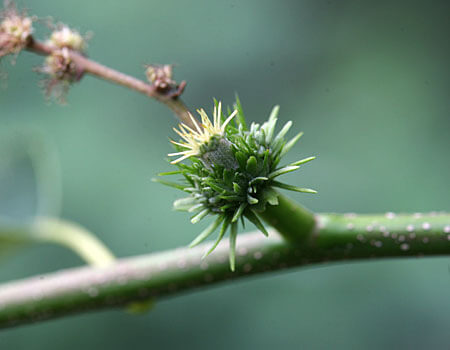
[252,217]
[288,146]
[282,171]
[206,232]
[233,237]
[302,161]
[223,230]
[238,212]
[293,188]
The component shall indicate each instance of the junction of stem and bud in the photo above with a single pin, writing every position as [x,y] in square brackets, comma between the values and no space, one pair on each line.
[232,171]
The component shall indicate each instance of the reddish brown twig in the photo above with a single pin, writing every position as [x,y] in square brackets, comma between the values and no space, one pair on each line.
[170,97]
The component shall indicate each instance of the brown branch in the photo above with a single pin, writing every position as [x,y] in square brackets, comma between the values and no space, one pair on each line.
[85,65]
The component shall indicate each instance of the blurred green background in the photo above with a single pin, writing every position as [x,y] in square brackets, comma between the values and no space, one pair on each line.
[368,82]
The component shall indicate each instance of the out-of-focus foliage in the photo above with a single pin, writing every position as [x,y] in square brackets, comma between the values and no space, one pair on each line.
[367,82]
[30,196]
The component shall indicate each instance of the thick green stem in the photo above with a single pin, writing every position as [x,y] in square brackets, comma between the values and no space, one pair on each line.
[295,223]
[336,238]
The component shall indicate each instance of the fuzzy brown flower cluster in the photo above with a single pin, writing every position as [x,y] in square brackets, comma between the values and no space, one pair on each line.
[160,76]
[15,30]
[59,66]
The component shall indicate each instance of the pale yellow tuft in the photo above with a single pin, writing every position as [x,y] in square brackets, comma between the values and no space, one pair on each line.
[194,139]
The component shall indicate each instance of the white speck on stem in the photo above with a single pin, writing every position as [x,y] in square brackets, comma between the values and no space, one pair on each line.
[181,263]
[257,255]
[350,226]
[369,228]
[410,228]
[37,296]
[92,292]
[404,246]
[390,215]
[426,226]
[242,251]
[447,229]
[425,240]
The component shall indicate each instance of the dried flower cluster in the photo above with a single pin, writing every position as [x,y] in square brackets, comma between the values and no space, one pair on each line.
[161,76]
[59,66]
[15,30]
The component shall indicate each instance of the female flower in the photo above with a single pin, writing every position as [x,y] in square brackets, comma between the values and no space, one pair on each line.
[232,171]
[197,141]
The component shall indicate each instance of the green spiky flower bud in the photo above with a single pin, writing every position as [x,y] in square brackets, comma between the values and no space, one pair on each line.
[233,171]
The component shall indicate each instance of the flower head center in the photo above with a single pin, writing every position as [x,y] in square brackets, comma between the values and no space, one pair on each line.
[197,141]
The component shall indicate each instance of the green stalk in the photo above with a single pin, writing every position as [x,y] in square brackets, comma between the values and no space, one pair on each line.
[335,238]
[14,236]
[292,221]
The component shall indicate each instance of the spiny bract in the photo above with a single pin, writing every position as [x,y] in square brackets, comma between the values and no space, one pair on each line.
[232,171]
